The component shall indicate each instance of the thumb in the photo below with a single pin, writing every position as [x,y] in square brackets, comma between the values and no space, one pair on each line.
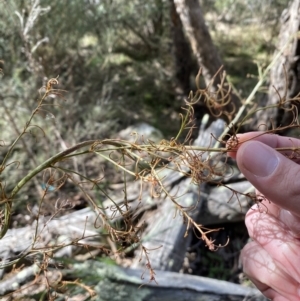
[274,175]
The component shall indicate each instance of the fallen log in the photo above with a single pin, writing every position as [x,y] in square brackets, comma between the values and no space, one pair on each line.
[212,204]
[114,283]
[111,282]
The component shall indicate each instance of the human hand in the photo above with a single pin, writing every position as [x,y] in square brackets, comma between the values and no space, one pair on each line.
[272,259]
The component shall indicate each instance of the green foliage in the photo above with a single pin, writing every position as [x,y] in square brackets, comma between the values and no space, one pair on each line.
[246,11]
[113,73]
[235,26]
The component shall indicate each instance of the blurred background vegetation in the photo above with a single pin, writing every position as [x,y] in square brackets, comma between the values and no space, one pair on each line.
[117,62]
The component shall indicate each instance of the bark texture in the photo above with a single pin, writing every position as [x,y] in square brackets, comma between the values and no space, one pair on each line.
[182,52]
[285,74]
[201,42]
[204,49]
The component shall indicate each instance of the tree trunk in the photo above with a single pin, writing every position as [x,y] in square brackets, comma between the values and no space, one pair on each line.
[285,74]
[199,37]
[182,53]
[202,45]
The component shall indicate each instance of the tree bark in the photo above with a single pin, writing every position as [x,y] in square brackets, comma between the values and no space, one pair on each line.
[182,52]
[205,51]
[201,42]
[285,74]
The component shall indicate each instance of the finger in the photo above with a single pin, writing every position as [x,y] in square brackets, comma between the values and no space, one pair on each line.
[265,205]
[267,291]
[291,221]
[274,175]
[270,280]
[271,140]
[276,240]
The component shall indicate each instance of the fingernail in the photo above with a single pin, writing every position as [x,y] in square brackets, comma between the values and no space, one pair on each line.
[259,159]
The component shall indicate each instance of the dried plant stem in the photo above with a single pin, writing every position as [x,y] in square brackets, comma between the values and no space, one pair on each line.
[48,163]
[262,78]
[123,146]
